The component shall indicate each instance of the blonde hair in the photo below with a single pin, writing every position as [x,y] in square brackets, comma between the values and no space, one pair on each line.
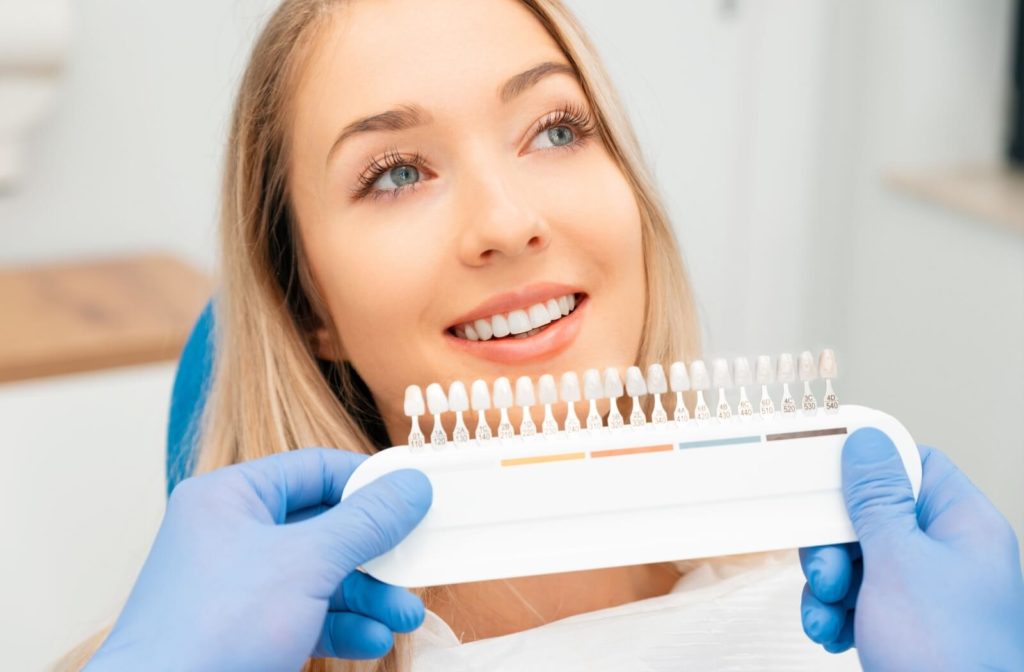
[269,392]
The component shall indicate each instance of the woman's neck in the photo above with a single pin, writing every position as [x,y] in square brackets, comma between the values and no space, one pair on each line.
[494,608]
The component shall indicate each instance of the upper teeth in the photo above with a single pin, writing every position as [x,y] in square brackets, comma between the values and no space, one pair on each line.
[517,321]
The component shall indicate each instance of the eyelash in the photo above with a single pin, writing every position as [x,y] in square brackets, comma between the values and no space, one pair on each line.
[573,115]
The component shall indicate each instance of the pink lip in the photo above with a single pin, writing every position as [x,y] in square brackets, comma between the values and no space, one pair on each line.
[555,338]
[522,299]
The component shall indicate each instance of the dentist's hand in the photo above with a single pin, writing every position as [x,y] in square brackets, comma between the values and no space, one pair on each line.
[932,585]
[253,569]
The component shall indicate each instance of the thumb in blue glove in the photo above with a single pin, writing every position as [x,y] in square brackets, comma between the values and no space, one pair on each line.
[932,585]
[253,568]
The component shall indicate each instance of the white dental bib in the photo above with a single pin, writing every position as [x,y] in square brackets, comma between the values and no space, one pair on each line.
[723,615]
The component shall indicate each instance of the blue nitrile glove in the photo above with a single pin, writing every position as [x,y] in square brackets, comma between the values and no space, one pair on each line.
[253,569]
[931,586]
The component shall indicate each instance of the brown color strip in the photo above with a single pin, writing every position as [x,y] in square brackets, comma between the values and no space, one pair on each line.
[806,435]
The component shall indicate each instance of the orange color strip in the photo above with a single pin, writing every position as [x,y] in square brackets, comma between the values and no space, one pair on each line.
[631,451]
[559,457]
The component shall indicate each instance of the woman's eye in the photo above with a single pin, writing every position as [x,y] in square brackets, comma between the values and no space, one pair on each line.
[558,136]
[398,177]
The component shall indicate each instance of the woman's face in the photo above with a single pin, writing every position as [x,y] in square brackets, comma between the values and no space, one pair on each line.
[436,185]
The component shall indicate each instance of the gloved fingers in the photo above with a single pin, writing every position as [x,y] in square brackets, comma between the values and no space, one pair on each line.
[371,521]
[856,578]
[828,570]
[353,636]
[950,505]
[298,479]
[822,622]
[305,514]
[845,638]
[878,495]
[395,607]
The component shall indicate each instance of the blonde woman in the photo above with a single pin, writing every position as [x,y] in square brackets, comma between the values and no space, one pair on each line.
[401,176]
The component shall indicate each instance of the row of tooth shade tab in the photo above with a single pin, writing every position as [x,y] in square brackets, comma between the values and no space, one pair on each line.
[608,384]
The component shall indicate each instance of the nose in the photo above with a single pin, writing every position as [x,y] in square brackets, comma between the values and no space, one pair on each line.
[499,222]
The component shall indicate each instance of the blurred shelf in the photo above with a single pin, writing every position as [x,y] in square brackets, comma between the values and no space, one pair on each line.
[97,314]
[991,193]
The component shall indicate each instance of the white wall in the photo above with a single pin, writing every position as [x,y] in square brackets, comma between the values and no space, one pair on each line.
[927,305]
[130,158]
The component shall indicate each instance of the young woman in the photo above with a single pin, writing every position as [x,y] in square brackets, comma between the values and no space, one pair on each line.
[400,177]
[397,170]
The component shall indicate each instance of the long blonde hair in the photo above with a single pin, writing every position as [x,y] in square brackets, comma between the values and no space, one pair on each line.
[269,392]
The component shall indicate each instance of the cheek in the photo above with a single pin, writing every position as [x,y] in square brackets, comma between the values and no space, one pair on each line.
[600,219]
[377,286]
[595,207]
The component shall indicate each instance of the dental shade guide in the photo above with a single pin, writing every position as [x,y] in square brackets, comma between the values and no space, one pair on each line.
[572,498]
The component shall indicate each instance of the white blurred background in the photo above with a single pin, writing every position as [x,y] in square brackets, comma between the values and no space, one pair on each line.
[779,130]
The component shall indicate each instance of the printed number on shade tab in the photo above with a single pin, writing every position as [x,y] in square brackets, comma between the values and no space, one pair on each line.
[670,481]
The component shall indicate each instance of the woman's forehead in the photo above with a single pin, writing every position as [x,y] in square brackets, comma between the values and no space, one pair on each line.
[375,55]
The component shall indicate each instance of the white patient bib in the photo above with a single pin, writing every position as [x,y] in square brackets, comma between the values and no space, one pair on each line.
[724,615]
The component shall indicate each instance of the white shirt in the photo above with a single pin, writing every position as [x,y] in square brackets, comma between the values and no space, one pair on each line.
[725,614]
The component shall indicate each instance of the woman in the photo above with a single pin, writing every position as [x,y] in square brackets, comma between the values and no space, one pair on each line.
[400,176]
[526,186]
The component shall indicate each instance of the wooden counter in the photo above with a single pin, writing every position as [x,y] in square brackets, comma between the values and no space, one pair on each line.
[96,314]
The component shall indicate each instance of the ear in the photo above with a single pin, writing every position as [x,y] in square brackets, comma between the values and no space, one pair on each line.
[325,347]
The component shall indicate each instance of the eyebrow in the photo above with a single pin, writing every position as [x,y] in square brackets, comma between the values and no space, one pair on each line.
[411,115]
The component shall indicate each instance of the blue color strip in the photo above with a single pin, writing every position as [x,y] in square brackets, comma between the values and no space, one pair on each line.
[720,442]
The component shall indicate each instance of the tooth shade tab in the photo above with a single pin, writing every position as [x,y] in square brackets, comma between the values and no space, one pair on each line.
[720,373]
[806,367]
[481,395]
[765,372]
[612,383]
[635,388]
[524,391]
[458,401]
[699,379]
[827,364]
[635,384]
[547,390]
[741,371]
[539,316]
[437,402]
[570,387]
[592,387]
[679,381]
[656,383]
[786,372]
[502,393]
[414,401]
[519,322]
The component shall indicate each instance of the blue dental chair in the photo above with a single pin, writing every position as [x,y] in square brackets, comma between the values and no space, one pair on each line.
[188,396]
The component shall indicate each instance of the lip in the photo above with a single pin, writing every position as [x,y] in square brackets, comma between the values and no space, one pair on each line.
[522,299]
[555,338]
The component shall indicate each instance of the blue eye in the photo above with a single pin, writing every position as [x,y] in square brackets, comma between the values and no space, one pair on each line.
[558,136]
[399,176]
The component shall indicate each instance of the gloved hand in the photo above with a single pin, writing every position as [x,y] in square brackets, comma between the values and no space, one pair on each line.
[253,569]
[932,585]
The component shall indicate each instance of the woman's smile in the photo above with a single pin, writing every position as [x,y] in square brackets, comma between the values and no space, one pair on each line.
[535,323]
